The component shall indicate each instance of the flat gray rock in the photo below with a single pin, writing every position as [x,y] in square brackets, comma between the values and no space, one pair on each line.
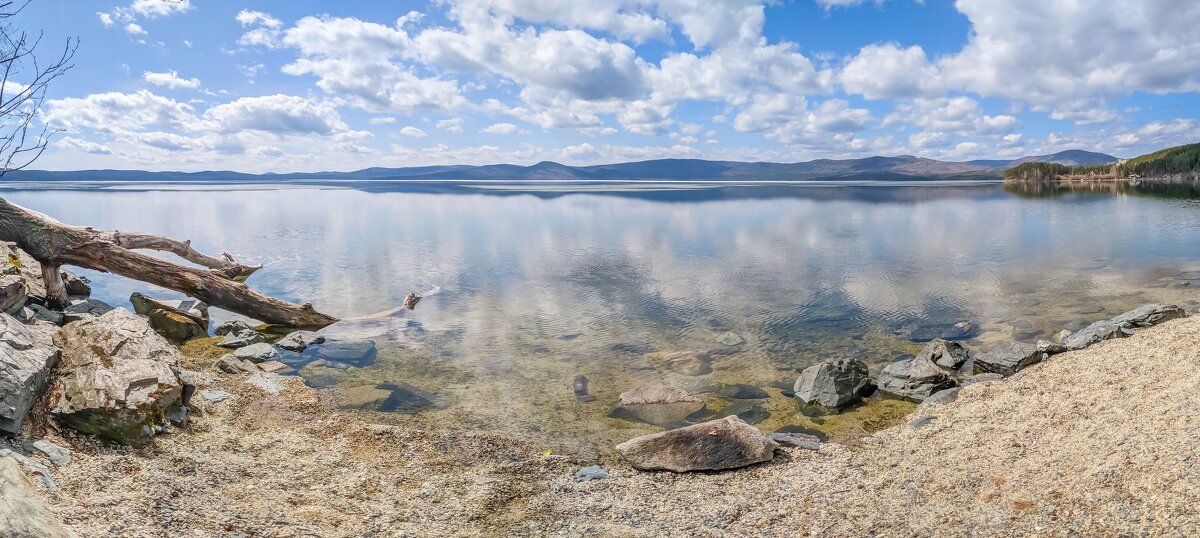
[22,512]
[591,472]
[257,353]
[300,340]
[1149,315]
[231,326]
[13,293]
[242,338]
[86,309]
[58,455]
[27,358]
[914,379]
[1007,358]
[798,440]
[214,396]
[726,443]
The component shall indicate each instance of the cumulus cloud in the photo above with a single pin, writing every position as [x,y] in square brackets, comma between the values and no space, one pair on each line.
[500,129]
[887,71]
[265,29]
[83,145]
[412,132]
[170,79]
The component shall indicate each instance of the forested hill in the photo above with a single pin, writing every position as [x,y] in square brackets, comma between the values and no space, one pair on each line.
[1176,161]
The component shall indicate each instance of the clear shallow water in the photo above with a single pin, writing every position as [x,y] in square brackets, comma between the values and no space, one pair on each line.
[538,284]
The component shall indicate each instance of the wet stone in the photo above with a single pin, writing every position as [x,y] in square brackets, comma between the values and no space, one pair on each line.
[750,411]
[690,363]
[632,348]
[407,399]
[357,353]
[743,392]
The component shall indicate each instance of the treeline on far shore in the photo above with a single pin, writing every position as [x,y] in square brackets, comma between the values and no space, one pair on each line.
[1166,162]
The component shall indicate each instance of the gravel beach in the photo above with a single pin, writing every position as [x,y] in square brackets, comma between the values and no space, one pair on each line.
[1098,442]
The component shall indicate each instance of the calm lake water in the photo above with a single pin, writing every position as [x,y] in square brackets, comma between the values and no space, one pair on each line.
[533,285]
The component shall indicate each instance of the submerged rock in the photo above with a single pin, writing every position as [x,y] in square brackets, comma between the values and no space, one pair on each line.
[730,339]
[657,404]
[300,340]
[742,392]
[357,353]
[242,338]
[27,357]
[117,379]
[726,443]
[22,512]
[1007,358]
[405,398]
[13,294]
[833,384]
[949,355]
[691,363]
[579,386]
[750,411]
[914,379]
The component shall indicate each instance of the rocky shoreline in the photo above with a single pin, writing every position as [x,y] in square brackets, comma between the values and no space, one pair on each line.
[114,431]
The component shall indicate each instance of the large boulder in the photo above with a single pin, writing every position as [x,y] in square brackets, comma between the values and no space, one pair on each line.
[176,320]
[22,512]
[657,404]
[949,355]
[726,443]
[833,384]
[117,379]
[684,362]
[13,294]
[27,356]
[914,379]
[1007,358]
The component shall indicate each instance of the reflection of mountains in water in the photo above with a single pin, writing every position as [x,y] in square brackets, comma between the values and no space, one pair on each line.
[1179,190]
[872,192]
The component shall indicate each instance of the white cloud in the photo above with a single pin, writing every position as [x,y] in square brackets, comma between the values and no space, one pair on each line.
[170,79]
[134,29]
[277,114]
[451,125]
[152,9]
[788,119]
[116,111]
[83,145]
[379,120]
[500,129]
[106,19]
[887,71]
[412,132]
[266,31]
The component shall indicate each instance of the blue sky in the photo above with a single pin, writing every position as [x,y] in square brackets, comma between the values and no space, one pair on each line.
[305,86]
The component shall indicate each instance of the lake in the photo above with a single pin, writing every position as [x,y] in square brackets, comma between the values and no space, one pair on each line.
[530,285]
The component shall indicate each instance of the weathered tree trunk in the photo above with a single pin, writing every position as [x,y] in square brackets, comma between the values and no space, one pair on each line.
[54,244]
[56,289]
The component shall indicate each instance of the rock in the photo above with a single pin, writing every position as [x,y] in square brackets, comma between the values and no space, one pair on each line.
[1007,358]
[591,472]
[232,326]
[357,353]
[684,362]
[275,367]
[914,379]
[947,331]
[268,383]
[657,404]
[949,355]
[579,386]
[37,312]
[85,309]
[300,340]
[981,378]
[1059,336]
[242,338]
[27,358]
[116,380]
[750,411]
[631,348]
[214,396]
[920,422]
[1050,348]
[1096,332]
[13,294]
[257,353]
[730,339]
[58,455]
[407,399]
[22,512]
[726,443]
[175,320]
[1148,315]
[230,364]
[798,440]
[833,384]
[36,469]
[77,286]
[743,392]
[942,397]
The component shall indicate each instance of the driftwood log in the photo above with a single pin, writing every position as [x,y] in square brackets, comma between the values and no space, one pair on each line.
[54,244]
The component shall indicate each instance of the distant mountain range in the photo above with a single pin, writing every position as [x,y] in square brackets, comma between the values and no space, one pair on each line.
[878,168]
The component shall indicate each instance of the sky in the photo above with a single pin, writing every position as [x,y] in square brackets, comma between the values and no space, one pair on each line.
[301,85]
